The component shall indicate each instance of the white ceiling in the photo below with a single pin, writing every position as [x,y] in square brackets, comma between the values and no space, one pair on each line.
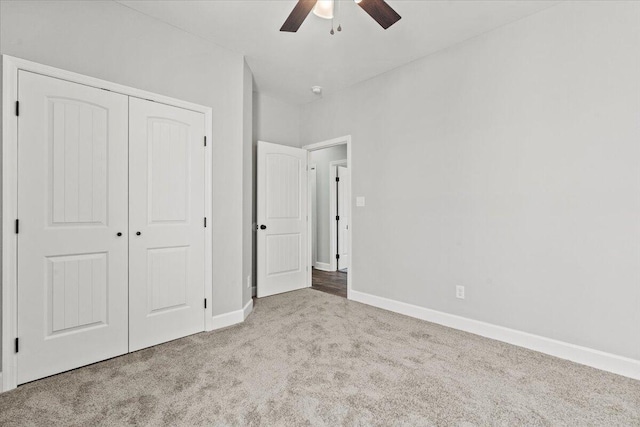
[286,65]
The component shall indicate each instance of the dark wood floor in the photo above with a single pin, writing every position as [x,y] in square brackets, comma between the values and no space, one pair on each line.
[331,282]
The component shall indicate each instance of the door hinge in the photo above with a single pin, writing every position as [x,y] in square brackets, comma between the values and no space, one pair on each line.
[205,141]
[205,222]
[17,345]
[337,217]
[337,179]
[17,108]
[205,303]
[17,226]
[337,256]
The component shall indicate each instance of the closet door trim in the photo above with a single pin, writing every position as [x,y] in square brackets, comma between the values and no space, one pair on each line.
[10,67]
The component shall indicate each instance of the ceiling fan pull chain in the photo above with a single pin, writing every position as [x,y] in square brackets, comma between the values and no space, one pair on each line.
[339,15]
[331,32]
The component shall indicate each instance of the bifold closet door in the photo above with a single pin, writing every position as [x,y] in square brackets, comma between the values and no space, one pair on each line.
[166,222]
[72,205]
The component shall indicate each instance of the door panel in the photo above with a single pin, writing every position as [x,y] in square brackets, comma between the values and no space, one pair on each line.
[169,174]
[343,214]
[282,206]
[313,215]
[76,291]
[72,202]
[283,186]
[166,206]
[167,272]
[283,250]
[78,147]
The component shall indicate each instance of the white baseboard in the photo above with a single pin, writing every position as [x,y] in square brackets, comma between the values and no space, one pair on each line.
[587,356]
[227,319]
[323,266]
[232,318]
[1,383]
[248,308]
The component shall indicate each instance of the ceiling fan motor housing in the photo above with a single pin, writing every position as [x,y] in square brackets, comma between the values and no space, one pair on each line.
[379,10]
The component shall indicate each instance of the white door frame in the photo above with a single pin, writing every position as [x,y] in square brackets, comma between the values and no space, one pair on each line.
[10,68]
[319,146]
[333,212]
[313,195]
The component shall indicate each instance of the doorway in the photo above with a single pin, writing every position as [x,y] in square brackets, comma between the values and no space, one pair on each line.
[297,236]
[329,191]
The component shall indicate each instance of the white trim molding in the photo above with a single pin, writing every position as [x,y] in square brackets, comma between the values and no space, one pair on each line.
[586,356]
[9,213]
[226,319]
[248,308]
[231,318]
[322,266]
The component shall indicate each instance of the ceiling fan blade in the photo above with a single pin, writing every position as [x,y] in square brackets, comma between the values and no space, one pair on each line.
[298,15]
[380,11]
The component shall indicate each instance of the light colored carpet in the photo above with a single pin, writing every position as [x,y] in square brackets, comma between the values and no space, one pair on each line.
[309,358]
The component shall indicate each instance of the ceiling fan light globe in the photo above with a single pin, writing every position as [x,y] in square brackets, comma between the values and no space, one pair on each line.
[324,9]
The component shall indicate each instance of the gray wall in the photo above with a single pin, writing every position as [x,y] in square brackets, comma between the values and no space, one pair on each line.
[321,159]
[112,42]
[247,185]
[275,120]
[508,164]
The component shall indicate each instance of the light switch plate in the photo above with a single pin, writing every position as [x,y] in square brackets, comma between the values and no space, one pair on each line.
[360,201]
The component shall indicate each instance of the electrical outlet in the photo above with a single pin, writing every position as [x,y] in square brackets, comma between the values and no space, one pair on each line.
[460,292]
[249,281]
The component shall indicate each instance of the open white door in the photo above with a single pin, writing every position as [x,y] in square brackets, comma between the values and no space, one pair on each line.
[282,219]
[343,217]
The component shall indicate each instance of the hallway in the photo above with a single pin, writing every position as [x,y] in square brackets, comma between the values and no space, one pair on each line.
[331,282]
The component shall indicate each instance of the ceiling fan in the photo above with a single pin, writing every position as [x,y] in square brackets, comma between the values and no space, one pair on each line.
[377,9]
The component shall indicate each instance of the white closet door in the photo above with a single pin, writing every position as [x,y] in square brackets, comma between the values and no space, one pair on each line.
[166,214]
[282,219]
[72,203]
